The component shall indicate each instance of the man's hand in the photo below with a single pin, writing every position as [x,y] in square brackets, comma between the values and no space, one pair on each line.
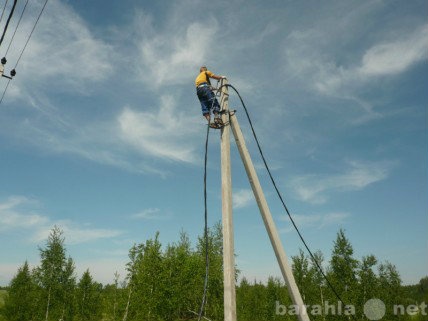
[218,77]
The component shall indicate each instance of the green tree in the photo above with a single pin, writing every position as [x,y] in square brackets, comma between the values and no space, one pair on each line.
[243,299]
[179,266]
[422,290]
[148,278]
[276,293]
[88,302]
[302,274]
[112,299]
[55,276]
[391,291]
[145,281]
[214,308]
[368,282]
[20,304]
[319,283]
[131,280]
[343,272]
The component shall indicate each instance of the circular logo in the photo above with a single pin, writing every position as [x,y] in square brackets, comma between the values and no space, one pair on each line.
[374,309]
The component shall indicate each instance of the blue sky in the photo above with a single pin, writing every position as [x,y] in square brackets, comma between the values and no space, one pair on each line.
[101,131]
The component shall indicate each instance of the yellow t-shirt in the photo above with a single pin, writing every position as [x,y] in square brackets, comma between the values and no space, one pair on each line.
[202,77]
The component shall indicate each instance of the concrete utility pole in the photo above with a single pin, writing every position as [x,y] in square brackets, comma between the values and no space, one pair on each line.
[268,220]
[227,220]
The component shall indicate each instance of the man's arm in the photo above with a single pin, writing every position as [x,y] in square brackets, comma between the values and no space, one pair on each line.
[217,77]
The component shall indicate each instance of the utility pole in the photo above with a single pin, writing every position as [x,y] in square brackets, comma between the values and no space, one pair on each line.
[268,221]
[227,219]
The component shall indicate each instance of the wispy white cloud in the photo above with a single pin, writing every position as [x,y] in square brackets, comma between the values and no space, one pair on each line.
[151,214]
[12,214]
[19,212]
[396,56]
[178,50]
[242,198]
[74,232]
[98,141]
[129,140]
[317,188]
[314,55]
[384,59]
[165,133]
[315,220]
[63,53]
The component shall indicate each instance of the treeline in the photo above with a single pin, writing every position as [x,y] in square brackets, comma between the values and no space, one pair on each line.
[166,283]
[161,284]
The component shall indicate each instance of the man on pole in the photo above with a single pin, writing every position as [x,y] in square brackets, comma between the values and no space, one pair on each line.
[207,97]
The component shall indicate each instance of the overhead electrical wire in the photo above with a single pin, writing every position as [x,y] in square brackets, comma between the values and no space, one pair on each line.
[8,20]
[16,28]
[4,8]
[25,46]
[31,33]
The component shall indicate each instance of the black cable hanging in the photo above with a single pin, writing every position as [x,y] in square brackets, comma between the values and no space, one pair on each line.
[16,28]
[206,238]
[8,20]
[207,258]
[25,46]
[4,8]
[281,198]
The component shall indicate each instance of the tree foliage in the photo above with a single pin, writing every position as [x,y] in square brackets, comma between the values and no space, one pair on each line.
[55,278]
[166,283]
[20,304]
[88,298]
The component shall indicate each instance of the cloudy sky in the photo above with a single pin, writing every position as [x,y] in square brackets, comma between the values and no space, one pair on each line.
[101,131]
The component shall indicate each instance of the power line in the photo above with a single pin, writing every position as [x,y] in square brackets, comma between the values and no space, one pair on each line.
[16,28]
[25,46]
[4,8]
[4,91]
[31,33]
[8,20]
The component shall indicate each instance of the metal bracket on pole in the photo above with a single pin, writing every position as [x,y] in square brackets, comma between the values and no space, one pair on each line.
[12,72]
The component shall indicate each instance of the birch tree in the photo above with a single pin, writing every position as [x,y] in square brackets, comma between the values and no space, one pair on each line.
[55,276]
